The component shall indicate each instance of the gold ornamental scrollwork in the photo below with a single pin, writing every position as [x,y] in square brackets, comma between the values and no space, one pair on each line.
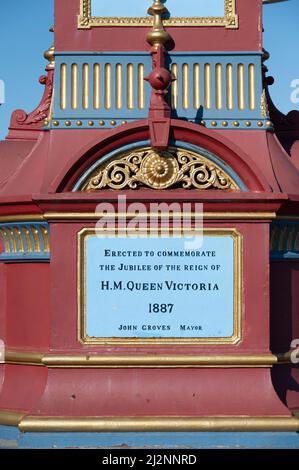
[174,168]
[264,105]
[229,20]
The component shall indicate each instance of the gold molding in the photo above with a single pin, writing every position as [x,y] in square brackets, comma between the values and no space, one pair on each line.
[22,218]
[98,361]
[28,423]
[24,357]
[158,424]
[285,358]
[128,215]
[11,418]
[161,361]
[48,216]
[159,170]
[153,341]
[230,19]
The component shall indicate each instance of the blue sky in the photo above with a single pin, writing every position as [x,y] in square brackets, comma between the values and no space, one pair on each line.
[176,7]
[24,39]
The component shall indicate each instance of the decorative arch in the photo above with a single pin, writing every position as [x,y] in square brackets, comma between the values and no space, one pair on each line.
[178,167]
[210,146]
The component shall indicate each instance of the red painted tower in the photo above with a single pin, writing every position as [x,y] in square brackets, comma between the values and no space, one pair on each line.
[161,109]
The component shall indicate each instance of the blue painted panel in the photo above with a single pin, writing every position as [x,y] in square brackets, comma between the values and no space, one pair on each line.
[135,8]
[12,438]
[173,287]
[25,241]
[106,118]
[102,59]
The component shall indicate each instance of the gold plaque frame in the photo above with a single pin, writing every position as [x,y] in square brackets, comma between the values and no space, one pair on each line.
[229,20]
[81,293]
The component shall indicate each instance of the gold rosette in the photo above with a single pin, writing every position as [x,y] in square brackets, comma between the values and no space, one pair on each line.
[159,171]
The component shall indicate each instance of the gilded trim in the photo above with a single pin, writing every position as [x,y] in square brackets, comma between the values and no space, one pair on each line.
[162,361]
[128,215]
[148,423]
[99,361]
[22,218]
[285,358]
[238,282]
[11,418]
[158,424]
[229,20]
[24,358]
[95,215]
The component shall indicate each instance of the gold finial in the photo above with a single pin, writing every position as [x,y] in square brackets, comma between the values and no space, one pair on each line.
[158,36]
[49,54]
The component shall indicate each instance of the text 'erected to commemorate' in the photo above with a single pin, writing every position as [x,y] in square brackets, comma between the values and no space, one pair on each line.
[154,287]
